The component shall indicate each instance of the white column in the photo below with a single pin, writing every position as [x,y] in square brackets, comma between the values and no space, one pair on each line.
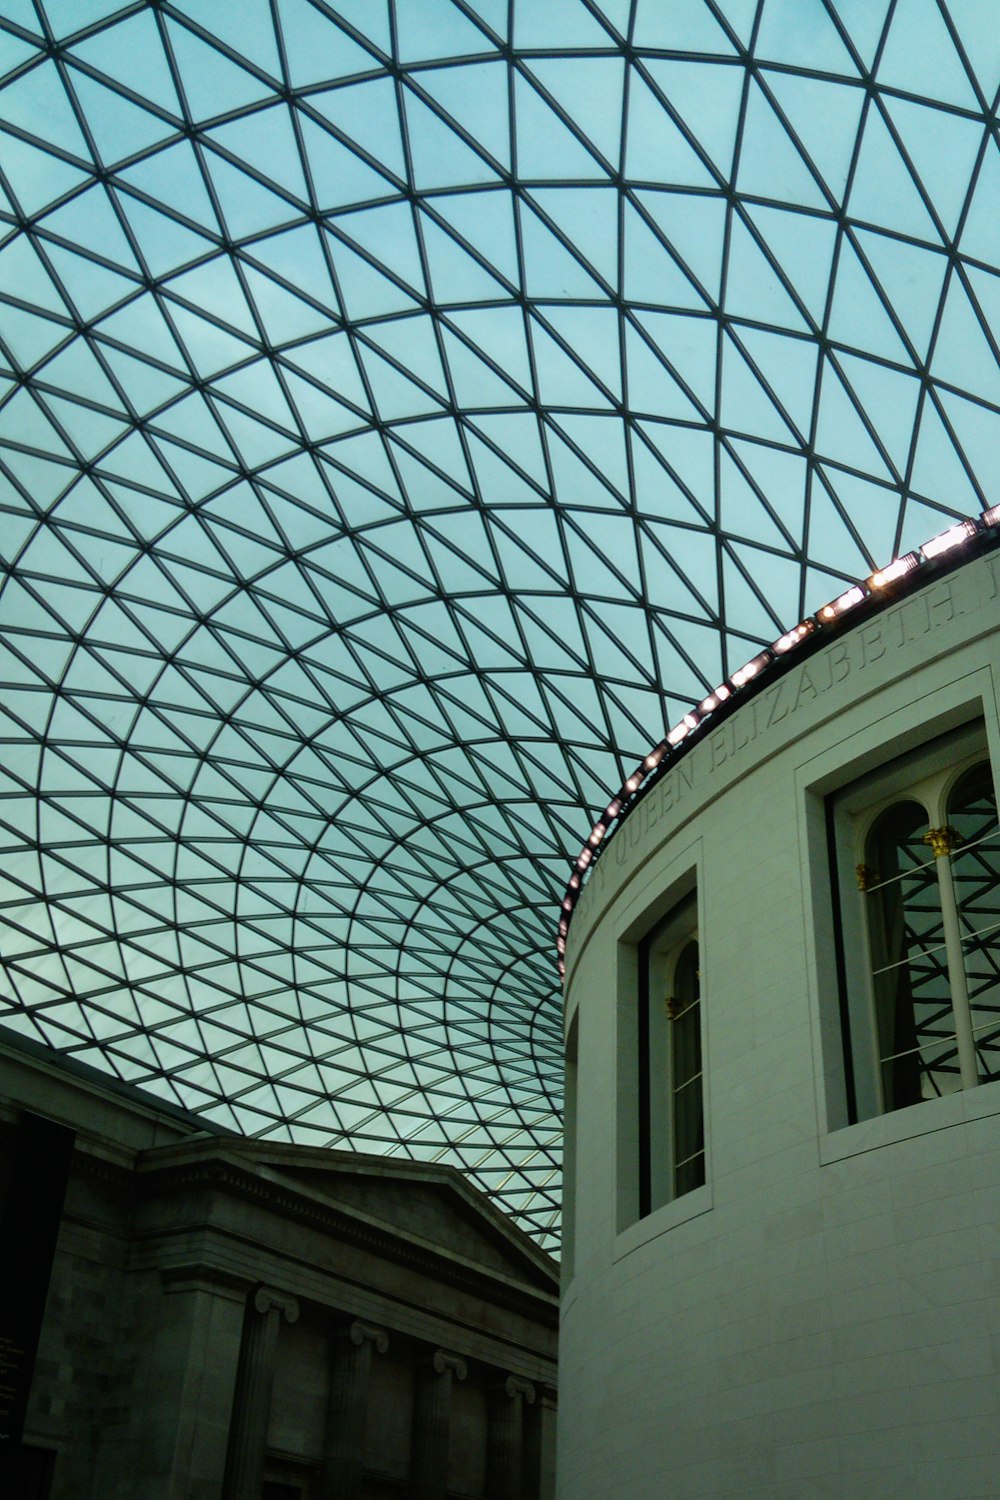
[943,841]
[244,1477]
[506,1438]
[347,1412]
[432,1424]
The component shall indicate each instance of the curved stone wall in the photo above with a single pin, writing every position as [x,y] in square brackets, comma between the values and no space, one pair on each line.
[821,1316]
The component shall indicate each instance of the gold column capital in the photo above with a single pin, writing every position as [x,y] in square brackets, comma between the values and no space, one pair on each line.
[942,840]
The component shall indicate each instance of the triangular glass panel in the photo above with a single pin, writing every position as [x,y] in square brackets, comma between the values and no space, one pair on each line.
[858,315]
[650,273]
[975,428]
[753,287]
[929,66]
[316,49]
[365,456]
[963,356]
[782,478]
[119,127]
[37,177]
[588,220]
[475,383]
[824,116]
[454,274]
[741,513]
[498,482]
[890,400]
[803,246]
[690,346]
[89,222]
[395,394]
[683,26]
[248,208]
[91,287]
[131,51]
[442,32]
[560,23]
[979,229]
[387,232]
[883,191]
[658,496]
[589,90]
[172,177]
[694,226]
[439,157]
[943,148]
[815,44]
[212,83]
[834,496]
[546,147]
[788,366]
[476,97]
[652,390]
[485,220]
[366,113]
[588,483]
[251,31]
[938,471]
[37,103]
[841,434]
[657,151]
[561,381]
[265,141]
[771,166]
[364,290]
[339,177]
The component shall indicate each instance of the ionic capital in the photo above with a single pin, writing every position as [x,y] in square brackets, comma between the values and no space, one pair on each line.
[364,1333]
[513,1386]
[265,1299]
[442,1361]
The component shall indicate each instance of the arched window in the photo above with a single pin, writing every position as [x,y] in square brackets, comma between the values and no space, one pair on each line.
[669,1095]
[920,947]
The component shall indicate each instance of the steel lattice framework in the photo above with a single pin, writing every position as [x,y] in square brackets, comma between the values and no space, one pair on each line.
[407,408]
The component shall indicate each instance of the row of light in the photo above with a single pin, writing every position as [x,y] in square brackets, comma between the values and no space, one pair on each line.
[897,570]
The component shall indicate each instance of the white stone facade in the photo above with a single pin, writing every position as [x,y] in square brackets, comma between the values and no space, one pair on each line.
[822,1317]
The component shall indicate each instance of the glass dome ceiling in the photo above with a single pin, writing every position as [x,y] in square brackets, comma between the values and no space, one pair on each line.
[407,408]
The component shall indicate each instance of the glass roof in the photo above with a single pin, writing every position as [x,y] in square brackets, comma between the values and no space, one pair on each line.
[407,409]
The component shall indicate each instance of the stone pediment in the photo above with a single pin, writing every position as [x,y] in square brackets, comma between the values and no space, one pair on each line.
[418,1203]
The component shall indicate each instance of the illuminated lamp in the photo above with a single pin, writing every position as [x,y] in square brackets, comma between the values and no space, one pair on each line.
[842,603]
[689,722]
[749,669]
[953,537]
[898,568]
[792,637]
[714,699]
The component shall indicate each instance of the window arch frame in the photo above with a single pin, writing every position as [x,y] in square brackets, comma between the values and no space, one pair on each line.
[926,777]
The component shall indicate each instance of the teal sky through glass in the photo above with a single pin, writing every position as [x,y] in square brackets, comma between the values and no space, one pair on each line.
[406,411]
